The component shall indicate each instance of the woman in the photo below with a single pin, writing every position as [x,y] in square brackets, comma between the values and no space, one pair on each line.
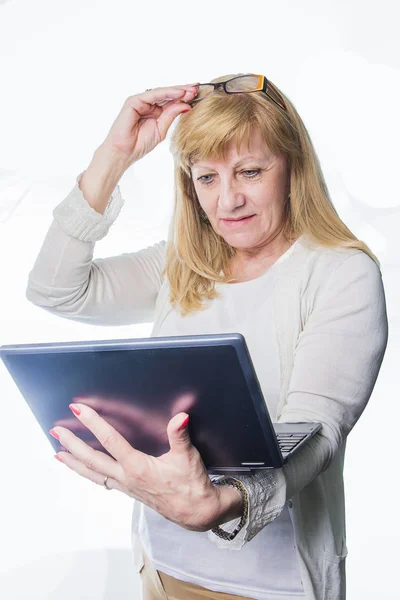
[255,247]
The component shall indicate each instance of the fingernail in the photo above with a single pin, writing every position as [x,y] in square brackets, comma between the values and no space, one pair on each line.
[58,458]
[184,422]
[54,434]
[75,409]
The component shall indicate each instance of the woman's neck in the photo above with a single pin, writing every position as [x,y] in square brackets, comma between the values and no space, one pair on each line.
[246,266]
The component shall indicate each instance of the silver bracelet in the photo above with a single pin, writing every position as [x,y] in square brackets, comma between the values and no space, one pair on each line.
[239,486]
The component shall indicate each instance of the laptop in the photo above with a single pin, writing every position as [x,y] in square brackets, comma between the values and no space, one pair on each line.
[138,385]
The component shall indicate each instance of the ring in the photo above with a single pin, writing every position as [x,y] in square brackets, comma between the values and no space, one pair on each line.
[105,484]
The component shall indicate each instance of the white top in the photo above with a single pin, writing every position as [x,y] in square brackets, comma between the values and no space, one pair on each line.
[272,570]
[330,320]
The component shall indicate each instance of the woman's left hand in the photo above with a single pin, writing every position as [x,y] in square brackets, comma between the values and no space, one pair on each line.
[175,484]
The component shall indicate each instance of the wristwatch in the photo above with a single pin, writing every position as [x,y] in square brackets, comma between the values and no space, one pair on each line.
[226,535]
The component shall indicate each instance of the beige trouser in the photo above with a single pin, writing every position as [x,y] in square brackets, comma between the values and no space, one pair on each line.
[159,586]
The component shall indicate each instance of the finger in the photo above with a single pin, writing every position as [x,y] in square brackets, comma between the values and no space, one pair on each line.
[90,458]
[159,96]
[173,92]
[127,419]
[178,433]
[119,425]
[98,403]
[188,97]
[108,407]
[155,111]
[187,86]
[95,444]
[155,95]
[76,465]
[108,437]
[72,425]
[78,428]
[168,116]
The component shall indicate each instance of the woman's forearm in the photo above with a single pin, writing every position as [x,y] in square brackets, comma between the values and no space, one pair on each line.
[231,504]
[102,175]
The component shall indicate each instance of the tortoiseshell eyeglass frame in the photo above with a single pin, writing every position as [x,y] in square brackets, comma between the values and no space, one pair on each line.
[261,86]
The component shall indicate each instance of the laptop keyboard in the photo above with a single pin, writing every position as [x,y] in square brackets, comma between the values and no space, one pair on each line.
[288,441]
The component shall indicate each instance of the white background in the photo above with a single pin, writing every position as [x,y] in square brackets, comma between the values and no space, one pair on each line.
[67,66]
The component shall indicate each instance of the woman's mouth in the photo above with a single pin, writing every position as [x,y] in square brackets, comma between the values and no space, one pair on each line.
[242,221]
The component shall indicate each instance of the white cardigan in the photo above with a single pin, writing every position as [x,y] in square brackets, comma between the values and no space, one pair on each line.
[331,325]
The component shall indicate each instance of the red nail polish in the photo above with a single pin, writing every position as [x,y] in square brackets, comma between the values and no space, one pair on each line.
[54,434]
[58,458]
[184,423]
[75,409]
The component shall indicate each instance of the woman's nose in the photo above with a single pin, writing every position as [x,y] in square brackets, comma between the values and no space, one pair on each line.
[230,197]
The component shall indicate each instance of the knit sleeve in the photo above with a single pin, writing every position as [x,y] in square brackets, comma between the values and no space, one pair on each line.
[337,360]
[66,281]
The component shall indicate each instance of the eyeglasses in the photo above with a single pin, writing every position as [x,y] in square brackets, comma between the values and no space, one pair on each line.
[237,85]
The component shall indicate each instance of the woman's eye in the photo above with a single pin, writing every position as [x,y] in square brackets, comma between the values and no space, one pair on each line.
[248,173]
[205,179]
[251,172]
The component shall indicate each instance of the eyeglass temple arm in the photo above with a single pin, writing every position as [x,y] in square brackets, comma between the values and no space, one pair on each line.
[265,88]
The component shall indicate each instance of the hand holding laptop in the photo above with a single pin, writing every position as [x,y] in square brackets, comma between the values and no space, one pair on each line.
[175,484]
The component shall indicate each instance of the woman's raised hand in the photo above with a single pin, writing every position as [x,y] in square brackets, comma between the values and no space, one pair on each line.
[142,123]
[145,118]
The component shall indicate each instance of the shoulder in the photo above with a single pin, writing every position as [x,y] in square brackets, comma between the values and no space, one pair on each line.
[316,254]
[321,265]
[318,274]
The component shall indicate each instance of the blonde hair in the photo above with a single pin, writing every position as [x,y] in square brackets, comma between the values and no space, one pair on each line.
[197,257]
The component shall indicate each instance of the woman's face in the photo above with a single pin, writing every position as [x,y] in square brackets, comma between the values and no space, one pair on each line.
[243,196]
